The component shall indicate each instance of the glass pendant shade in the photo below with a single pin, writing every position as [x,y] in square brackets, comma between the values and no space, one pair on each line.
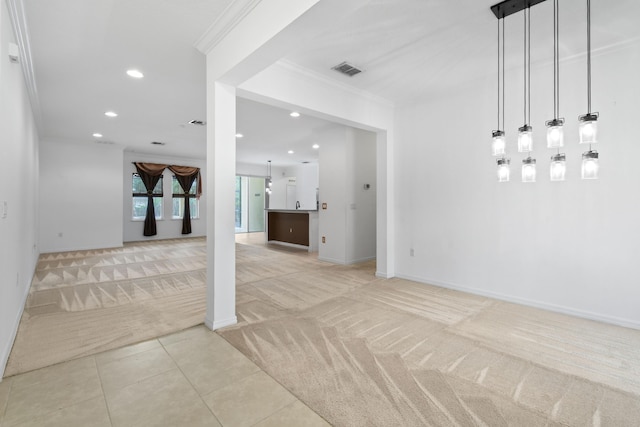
[558,167]
[529,170]
[588,128]
[590,165]
[555,133]
[503,170]
[525,139]
[499,143]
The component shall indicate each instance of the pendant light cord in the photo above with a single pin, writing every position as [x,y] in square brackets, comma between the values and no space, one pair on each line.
[503,85]
[498,128]
[528,65]
[556,59]
[525,66]
[589,56]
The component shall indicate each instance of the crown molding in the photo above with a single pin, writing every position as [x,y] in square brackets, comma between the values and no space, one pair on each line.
[230,17]
[21,32]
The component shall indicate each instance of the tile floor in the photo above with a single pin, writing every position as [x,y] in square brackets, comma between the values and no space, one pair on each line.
[190,378]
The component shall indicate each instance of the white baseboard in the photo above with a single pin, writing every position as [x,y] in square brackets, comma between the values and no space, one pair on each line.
[627,323]
[290,245]
[6,352]
[384,275]
[343,262]
[213,325]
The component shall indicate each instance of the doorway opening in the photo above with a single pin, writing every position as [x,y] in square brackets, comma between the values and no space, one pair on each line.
[250,204]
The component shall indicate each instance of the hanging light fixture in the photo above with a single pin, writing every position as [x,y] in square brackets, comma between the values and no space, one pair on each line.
[590,165]
[555,134]
[525,132]
[499,142]
[529,170]
[269,181]
[558,167]
[588,127]
[503,169]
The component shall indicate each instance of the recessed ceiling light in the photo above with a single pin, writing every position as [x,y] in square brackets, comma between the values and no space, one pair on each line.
[239,135]
[135,74]
[290,151]
[111,114]
[97,135]
[158,143]
[197,122]
[294,114]
[315,146]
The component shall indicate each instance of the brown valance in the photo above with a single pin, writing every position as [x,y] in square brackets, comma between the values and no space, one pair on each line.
[150,174]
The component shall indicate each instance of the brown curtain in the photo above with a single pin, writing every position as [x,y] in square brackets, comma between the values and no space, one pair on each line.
[185,176]
[150,174]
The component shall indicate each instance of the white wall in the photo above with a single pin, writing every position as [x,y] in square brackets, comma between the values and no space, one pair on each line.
[80,196]
[347,162]
[571,246]
[19,189]
[307,181]
[167,227]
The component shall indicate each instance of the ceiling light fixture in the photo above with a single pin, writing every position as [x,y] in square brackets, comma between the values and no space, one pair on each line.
[111,114]
[315,146]
[588,128]
[136,74]
[290,152]
[239,135]
[269,182]
[525,132]
[499,142]
[294,114]
[97,135]
[555,134]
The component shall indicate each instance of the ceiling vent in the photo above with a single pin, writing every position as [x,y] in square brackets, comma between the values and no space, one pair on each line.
[158,143]
[348,69]
[197,122]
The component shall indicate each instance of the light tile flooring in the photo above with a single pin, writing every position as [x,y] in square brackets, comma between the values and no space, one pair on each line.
[190,378]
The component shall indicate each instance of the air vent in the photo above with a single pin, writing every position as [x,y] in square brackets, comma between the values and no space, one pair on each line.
[158,143]
[197,122]
[348,69]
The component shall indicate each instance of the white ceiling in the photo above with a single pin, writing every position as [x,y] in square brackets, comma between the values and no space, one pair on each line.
[408,48]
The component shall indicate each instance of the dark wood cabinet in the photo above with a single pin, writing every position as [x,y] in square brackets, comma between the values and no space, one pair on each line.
[288,227]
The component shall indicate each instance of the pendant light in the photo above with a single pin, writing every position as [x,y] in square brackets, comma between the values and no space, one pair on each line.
[503,169]
[588,127]
[499,141]
[555,134]
[525,133]
[529,170]
[269,181]
[558,167]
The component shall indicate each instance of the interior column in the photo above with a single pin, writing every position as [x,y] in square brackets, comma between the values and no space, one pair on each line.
[220,189]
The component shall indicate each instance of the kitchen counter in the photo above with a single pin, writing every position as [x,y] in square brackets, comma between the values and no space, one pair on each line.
[293,227]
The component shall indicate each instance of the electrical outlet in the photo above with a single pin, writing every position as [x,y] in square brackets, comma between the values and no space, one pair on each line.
[324,240]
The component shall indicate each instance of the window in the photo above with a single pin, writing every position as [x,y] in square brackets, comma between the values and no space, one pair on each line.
[140,199]
[178,199]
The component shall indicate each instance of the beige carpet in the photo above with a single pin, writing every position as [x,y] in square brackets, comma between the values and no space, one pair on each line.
[368,352]
[358,350]
[85,302]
